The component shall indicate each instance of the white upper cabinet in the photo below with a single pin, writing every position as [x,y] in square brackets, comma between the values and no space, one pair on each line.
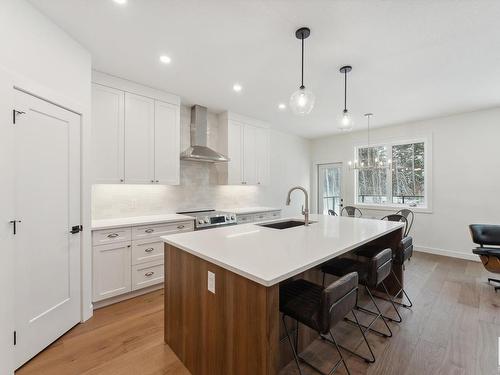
[246,142]
[249,155]
[108,134]
[139,139]
[135,133]
[167,143]
[262,156]
[235,153]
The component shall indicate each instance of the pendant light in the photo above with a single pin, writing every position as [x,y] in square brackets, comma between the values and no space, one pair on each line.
[346,120]
[302,100]
[372,163]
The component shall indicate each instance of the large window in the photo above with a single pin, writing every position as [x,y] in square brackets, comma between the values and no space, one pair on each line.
[398,177]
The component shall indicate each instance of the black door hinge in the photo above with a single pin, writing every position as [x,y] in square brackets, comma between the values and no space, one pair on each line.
[15,112]
[15,338]
[76,229]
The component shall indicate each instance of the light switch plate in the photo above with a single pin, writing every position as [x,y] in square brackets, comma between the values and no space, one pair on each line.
[211,282]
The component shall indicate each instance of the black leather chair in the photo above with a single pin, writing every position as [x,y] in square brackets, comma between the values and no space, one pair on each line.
[404,253]
[332,213]
[487,236]
[320,309]
[351,211]
[372,273]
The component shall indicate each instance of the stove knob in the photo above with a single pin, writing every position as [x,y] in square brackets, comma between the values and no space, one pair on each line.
[227,217]
[200,221]
[232,217]
[206,220]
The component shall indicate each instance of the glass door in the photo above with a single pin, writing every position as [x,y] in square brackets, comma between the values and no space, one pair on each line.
[329,188]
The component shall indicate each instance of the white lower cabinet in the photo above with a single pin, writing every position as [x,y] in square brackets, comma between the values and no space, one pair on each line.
[111,268]
[258,216]
[130,258]
[147,274]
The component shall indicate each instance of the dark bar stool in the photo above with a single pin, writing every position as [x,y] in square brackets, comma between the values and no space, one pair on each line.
[351,211]
[320,309]
[404,253]
[332,213]
[371,274]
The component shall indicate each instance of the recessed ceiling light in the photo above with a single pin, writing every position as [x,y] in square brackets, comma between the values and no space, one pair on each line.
[121,2]
[165,59]
[237,87]
[282,106]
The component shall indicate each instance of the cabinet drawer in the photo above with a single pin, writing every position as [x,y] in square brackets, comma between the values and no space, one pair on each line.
[275,214]
[263,216]
[157,230]
[147,274]
[144,251]
[244,219]
[106,236]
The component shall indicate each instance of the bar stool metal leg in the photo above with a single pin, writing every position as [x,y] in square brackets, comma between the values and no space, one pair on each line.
[401,290]
[295,356]
[377,314]
[367,360]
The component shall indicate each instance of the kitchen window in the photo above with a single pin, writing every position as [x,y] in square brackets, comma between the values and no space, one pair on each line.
[399,178]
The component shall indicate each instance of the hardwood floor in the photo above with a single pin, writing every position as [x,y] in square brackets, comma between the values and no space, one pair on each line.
[453,328]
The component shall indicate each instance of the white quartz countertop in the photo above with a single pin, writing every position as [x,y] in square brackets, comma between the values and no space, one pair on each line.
[138,220]
[268,256]
[248,210]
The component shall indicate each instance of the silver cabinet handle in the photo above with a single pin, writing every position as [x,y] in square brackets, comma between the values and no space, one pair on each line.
[180,226]
[149,230]
[149,249]
[148,274]
[113,235]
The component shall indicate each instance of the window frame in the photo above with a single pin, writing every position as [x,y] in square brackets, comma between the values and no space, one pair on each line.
[427,206]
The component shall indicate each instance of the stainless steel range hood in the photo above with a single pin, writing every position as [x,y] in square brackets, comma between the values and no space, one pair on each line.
[199,150]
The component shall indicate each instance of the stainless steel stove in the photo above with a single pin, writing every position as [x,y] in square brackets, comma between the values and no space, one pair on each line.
[205,219]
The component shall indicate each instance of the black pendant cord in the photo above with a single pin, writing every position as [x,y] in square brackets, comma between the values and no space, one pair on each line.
[345,90]
[302,74]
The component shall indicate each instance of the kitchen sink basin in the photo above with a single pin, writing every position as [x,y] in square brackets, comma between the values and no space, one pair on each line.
[284,224]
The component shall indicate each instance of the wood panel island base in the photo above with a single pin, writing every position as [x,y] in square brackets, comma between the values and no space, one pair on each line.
[222,288]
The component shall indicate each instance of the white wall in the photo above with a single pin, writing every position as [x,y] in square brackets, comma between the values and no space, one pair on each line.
[44,60]
[290,163]
[465,175]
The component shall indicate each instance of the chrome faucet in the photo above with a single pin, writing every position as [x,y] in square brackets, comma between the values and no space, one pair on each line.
[305,211]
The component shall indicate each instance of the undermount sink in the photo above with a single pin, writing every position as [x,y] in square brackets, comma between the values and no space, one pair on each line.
[284,224]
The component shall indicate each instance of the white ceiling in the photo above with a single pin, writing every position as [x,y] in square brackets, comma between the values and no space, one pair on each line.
[411,59]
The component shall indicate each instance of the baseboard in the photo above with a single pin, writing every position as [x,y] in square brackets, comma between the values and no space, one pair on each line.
[123,297]
[447,253]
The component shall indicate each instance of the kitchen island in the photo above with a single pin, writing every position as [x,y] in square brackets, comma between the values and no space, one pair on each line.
[222,287]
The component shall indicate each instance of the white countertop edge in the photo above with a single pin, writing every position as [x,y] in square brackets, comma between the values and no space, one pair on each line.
[138,220]
[276,280]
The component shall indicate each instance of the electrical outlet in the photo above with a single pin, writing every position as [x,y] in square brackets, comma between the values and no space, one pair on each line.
[211,282]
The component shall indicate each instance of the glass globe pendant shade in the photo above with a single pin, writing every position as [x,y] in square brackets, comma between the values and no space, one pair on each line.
[302,101]
[345,122]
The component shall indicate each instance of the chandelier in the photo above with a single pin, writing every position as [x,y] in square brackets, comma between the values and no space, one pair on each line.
[372,161]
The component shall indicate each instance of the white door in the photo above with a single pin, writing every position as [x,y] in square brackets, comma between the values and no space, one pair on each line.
[47,204]
[249,155]
[262,155]
[7,213]
[139,139]
[167,143]
[330,188]
[108,134]
[235,153]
